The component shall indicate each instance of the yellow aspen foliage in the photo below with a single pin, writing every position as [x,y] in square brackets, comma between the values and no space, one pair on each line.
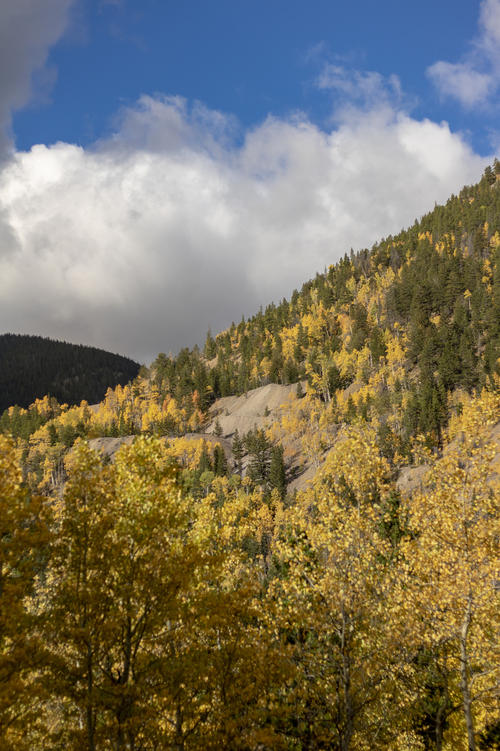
[319,382]
[487,272]
[157,629]
[345,324]
[120,538]
[46,406]
[23,535]
[195,422]
[436,319]
[289,340]
[53,469]
[449,595]
[187,452]
[364,293]
[354,466]
[346,362]
[495,240]
[151,417]
[334,601]
[351,284]
[293,417]
[264,368]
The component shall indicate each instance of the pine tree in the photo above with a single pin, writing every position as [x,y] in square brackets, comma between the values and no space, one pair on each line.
[210,350]
[277,471]
[220,462]
[259,450]
[205,463]
[238,452]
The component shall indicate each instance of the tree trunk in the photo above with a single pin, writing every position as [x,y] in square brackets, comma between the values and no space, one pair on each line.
[464,676]
[124,710]
[346,681]
[179,739]
[439,727]
[90,708]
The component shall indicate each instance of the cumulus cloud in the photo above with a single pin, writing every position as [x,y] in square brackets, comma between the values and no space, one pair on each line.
[476,78]
[141,242]
[28,28]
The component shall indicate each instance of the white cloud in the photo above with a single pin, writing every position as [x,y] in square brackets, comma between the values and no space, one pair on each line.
[489,24]
[366,88]
[475,79]
[462,82]
[27,30]
[140,243]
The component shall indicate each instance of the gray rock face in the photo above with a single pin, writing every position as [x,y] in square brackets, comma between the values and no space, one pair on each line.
[255,409]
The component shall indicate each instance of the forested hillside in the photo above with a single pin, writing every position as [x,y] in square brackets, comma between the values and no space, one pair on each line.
[409,322]
[32,367]
[243,574]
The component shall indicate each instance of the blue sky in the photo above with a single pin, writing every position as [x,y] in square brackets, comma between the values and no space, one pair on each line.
[248,59]
[167,167]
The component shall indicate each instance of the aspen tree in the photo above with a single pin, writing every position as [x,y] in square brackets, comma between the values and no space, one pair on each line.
[335,599]
[23,537]
[450,592]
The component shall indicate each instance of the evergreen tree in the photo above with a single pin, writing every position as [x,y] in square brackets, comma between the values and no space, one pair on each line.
[210,349]
[238,452]
[277,471]
[205,463]
[220,463]
[259,451]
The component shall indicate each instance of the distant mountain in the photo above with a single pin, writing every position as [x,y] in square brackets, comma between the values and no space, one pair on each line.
[33,366]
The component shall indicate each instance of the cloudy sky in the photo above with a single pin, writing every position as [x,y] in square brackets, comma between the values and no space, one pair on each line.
[166,167]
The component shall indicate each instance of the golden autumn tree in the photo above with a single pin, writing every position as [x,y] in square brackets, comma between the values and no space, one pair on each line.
[120,567]
[23,536]
[450,599]
[157,630]
[335,596]
[249,661]
[77,600]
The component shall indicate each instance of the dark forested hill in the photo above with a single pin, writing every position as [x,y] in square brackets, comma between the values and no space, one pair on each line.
[32,366]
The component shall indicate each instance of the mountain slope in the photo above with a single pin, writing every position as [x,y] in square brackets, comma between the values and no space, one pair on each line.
[399,337]
[32,366]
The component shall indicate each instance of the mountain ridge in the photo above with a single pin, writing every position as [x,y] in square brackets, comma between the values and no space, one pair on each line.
[398,336]
[33,366]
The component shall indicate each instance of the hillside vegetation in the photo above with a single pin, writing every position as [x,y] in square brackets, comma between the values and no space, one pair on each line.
[33,366]
[288,540]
